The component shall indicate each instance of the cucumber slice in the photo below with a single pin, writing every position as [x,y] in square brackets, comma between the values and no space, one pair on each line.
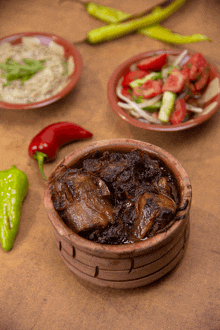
[154,107]
[141,81]
[167,107]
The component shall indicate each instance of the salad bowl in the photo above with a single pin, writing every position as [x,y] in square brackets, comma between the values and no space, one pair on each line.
[57,46]
[124,105]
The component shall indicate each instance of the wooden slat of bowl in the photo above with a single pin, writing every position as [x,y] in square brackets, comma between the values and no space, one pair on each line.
[89,259]
[145,270]
[74,264]
[129,284]
[154,255]
[111,264]
[118,279]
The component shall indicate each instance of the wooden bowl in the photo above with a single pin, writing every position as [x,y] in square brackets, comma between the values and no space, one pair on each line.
[127,265]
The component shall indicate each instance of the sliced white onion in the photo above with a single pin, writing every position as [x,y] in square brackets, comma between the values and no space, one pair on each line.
[133,67]
[193,108]
[184,61]
[183,94]
[125,105]
[146,103]
[164,73]
[179,58]
[177,62]
[134,105]
[150,101]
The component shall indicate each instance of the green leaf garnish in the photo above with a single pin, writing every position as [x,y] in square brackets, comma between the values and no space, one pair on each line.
[26,70]
[137,99]
[65,65]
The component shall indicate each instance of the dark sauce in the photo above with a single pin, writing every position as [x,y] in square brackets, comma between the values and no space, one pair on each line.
[133,190]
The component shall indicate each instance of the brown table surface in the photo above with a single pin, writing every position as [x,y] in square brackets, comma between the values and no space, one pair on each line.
[37,290]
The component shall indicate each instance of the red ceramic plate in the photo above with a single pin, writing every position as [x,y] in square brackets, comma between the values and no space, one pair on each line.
[211,105]
[69,50]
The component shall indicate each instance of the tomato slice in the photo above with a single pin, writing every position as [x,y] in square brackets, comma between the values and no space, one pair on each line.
[196,72]
[197,64]
[126,91]
[149,89]
[137,91]
[192,88]
[152,88]
[203,80]
[132,75]
[175,82]
[193,72]
[179,112]
[154,63]
[185,72]
[198,60]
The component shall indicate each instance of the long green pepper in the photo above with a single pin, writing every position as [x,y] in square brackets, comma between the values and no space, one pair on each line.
[13,187]
[118,30]
[105,14]
[161,33]
[158,32]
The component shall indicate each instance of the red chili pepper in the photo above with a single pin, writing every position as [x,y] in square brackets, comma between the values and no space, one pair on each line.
[179,112]
[132,75]
[45,145]
[175,82]
[153,63]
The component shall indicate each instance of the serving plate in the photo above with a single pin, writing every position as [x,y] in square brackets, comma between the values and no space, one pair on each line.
[211,95]
[67,50]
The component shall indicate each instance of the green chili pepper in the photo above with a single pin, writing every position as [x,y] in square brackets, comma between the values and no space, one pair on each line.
[105,14]
[14,187]
[159,32]
[113,31]
[111,15]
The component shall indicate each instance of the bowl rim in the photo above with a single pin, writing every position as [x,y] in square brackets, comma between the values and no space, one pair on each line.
[71,82]
[123,249]
[113,99]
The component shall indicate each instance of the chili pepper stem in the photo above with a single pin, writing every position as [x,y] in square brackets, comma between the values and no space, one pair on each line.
[40,156]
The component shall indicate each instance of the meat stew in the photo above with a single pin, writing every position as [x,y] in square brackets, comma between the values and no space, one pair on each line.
[116,197]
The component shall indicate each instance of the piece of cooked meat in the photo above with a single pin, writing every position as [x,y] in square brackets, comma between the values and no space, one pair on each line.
[81,198]
[150,207]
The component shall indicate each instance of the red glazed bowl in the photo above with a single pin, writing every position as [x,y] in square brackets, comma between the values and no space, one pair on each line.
[127,265]
[68,51]
[210,106]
